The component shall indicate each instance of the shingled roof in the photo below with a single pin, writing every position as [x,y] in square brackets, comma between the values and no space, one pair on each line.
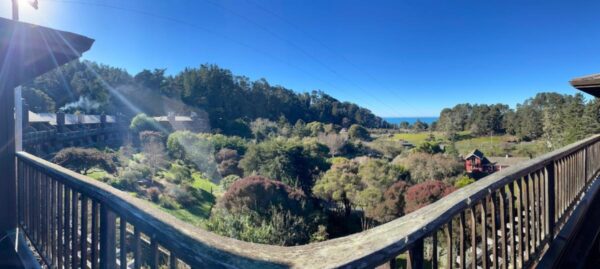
[477,153]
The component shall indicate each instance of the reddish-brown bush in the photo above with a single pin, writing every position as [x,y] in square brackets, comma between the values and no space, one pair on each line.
[260,194]
[425,193]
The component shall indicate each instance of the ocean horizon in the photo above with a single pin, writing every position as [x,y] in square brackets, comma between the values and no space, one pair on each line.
[411,120]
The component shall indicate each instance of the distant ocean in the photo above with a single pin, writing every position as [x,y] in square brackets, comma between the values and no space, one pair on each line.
[411,120]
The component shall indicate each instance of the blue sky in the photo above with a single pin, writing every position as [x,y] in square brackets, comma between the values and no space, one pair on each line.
[397,58]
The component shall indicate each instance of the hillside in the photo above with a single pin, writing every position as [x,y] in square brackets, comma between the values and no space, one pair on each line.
[228,99]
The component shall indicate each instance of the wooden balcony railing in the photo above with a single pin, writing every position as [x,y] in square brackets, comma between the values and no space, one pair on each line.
[505,220]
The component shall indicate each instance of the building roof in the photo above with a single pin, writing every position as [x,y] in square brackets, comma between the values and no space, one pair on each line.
[589,84]
[70,119]
[27,50]
[477,153]
[177,118]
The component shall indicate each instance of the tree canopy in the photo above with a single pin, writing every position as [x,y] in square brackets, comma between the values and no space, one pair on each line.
[84,159]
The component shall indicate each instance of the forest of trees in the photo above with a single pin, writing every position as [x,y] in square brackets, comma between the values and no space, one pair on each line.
[557,119]
[230,101]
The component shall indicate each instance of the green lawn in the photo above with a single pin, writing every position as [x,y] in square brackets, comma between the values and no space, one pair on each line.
[417,138]
[200,211]
[195,215]
[97,173]
[498,145]
[205,184]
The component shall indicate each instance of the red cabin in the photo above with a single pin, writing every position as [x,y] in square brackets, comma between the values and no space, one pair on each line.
[477,162]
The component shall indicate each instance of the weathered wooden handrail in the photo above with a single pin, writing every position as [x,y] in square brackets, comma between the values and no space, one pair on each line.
[518,209]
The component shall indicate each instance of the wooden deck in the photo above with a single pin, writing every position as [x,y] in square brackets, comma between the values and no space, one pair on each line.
[8,256]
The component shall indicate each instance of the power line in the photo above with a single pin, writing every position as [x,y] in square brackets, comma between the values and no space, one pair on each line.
[191,25]
[292,44]
[226,37]
[332,51]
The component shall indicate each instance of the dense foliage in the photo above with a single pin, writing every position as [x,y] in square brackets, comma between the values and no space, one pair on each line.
[261,210]
[291,161]
[425,193]
[230,101]
[558,119]
[84,159]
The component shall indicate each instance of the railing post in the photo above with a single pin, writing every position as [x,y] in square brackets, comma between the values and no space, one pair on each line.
[551,201]
[585,164]
[415,255]
[108,246]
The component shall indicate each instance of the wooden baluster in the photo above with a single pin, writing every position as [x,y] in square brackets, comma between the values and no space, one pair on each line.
[569,185]
[154,254]
[48,217]
[434,250]
[67,227]
[571,181]
[537,224]
[36,207]
[484,254]
[558,191]
[473,225]
[30,202]
[20,192]
[461,247]
[123,243]
[137,249]
[40,214]
[108,256]
[493,209]
[512,226]
[524,221]
[26,196]
[449,246]
[84,231]
[534,212]
[53,237]
[550,199]
[519,219]
[74,230]
[415,255]
[95,231]
[59,226]
[173,261]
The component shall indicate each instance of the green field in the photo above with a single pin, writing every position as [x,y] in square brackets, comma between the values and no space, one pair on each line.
[194,215]
[98,174]
[205,184]
[497,145]
[417,138]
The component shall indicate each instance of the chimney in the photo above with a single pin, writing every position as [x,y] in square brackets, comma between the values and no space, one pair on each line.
[102,120]
[60,121]
[171,116]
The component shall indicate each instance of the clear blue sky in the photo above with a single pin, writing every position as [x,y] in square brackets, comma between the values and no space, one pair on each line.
[397,58]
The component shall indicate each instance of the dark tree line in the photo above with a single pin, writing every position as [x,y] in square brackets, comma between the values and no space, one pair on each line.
[228,99]
[558,119]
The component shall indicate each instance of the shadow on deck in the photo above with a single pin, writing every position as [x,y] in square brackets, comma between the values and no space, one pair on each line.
[16,257]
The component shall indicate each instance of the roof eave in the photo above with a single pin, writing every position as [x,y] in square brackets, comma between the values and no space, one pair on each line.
[589,84]
[28,50]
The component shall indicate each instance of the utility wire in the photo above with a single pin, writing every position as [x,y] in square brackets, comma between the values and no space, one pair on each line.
[195,26]
[303,51]
[332,51]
